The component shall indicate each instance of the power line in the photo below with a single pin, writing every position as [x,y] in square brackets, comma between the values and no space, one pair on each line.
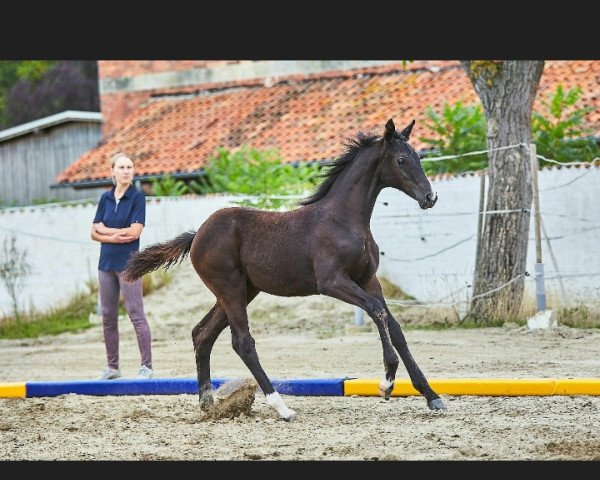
[408,303]
[431,254]
[46,237]
[479,152]
[587,172]
[551,160]
[452,214]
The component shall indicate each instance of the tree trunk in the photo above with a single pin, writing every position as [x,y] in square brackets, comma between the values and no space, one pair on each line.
[507,90]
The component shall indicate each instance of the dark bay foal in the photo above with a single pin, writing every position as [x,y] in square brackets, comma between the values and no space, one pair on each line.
[323,247]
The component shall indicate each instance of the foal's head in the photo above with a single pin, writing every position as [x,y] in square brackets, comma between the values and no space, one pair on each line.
[401,166]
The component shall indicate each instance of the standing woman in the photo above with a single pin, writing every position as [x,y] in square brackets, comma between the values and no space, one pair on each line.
[118,224]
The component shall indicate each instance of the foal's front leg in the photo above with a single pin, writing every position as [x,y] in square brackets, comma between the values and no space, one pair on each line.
[434,402]
[414,372]
[342,287]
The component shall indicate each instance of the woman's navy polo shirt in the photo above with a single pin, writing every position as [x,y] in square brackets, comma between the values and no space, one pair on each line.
[131,209]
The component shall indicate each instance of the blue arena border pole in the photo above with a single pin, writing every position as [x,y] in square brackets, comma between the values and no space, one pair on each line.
[172,386]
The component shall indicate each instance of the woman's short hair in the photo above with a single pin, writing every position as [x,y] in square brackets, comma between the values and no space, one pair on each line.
[119,156]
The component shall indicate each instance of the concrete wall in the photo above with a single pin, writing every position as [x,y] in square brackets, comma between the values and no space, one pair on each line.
[429,254]
[64,257]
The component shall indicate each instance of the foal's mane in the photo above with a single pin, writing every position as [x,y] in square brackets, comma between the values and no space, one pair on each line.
[353,146]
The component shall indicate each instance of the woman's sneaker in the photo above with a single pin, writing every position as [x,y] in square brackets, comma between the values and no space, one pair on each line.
[110,374]
[145,372]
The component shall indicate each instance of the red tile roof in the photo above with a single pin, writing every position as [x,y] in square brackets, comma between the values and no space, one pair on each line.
[305,117]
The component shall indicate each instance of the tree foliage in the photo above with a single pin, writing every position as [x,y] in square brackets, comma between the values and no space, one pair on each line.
[33,70]
[11,72]
[459,129]
[34,89]
[557,130]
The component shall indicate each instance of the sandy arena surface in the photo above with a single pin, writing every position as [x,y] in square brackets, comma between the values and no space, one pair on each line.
[301,338]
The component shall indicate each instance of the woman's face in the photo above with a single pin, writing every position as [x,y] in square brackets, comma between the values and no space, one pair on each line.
[123,171]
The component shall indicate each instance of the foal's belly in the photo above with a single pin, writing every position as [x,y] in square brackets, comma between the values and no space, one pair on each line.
[282,278]
[280,270]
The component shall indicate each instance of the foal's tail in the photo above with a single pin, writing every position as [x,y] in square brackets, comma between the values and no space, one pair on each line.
[153,257]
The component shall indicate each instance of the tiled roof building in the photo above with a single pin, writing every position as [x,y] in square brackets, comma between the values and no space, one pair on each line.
[306,117]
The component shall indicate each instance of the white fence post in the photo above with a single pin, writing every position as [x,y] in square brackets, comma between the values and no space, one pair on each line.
[358,317]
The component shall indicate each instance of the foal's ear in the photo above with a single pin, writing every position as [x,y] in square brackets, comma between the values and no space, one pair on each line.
[407,130]
[390,129]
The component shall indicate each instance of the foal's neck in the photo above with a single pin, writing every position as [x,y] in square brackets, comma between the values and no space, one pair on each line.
[353,195]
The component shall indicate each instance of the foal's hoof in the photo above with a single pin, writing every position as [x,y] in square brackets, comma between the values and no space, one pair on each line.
[385,393]
[290,416]
[385,389]
[206,401]
[436,404]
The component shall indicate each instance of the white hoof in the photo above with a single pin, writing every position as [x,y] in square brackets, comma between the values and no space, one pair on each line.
[385,388]
[275,401]
[290,415]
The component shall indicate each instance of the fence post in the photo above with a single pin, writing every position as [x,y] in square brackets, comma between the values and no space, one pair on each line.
[99,305]
[480,221]
[358,317]
[540,290]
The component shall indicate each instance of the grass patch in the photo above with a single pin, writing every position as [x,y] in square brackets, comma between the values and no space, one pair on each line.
[448,320]
[74,316]
[155,281]
[579,317]
[470,324]
[576,315]
[393,291]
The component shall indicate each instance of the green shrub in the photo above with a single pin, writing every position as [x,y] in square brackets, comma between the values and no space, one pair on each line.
[459,130]
[558,133]
[167,186]
[250,171]
[44,200]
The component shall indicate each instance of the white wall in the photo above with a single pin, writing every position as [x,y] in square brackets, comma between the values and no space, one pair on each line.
[446,235]
[63,256]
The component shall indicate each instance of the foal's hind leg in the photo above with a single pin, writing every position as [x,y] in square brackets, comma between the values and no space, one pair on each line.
[231,293]
[204,336]
[414,372]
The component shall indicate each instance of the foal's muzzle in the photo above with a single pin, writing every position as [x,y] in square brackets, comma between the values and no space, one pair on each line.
[428,200]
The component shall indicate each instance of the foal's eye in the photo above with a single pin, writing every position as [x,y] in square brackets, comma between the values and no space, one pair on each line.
[401,160]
